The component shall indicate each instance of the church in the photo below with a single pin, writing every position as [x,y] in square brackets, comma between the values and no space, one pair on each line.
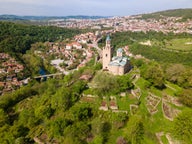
[118,65]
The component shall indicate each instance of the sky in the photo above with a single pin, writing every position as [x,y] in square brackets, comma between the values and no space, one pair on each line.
[88,7]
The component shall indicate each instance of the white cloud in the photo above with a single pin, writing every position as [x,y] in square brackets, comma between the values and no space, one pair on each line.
[24,1]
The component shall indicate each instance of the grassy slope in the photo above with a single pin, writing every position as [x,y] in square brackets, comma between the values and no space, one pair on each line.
[153,123]
[185,13]
[180,44]
[156,122]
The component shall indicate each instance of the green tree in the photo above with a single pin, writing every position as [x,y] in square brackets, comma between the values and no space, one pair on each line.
[3,117]
[44,111]
[27,119]
[135,130]
[124,83]
[82,112]
[175,71]
[56,128]
[105,83]
[182,127]
[5,134]
[33,62]
[186,97]
[61,100]
[97,140]
[79,131]
[154,74]
[119,120]
[19,130]
[105,131]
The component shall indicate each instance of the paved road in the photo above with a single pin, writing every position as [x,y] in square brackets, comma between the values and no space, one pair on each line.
[95,45]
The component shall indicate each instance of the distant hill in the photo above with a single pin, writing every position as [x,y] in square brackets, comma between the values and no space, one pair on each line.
[24,18]
[184,13]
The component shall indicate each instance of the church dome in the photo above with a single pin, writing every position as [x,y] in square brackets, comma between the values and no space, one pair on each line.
[108,38]
[119,50]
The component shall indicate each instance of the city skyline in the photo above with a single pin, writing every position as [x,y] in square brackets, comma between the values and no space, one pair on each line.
[88,7]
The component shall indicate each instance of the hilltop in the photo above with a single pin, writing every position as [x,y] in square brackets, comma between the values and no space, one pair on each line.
[99,22]
[184,13]
[87,105]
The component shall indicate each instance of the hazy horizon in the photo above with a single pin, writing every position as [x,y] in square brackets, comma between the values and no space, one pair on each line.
[88,7]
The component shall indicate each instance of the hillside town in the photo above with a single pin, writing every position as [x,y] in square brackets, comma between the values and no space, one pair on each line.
[96,80]
[70,55]
[11,74]
[129,23]
[65,58]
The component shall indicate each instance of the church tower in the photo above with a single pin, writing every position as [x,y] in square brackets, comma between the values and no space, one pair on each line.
[107,53]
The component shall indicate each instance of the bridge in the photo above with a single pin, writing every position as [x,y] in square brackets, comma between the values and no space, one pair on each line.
[48,75]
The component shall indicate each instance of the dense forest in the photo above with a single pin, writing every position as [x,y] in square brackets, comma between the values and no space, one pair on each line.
[17,38]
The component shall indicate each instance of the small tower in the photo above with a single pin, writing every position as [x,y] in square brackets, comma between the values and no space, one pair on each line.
[119,52]
[107,53]
[108,41]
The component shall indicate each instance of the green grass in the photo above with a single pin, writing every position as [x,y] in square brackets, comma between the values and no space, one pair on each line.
[164,140]
[150,139]
[152,123]
[141,83]
[124,102]
[155,91]
[156,122]
[114,135]
[184,44]
[176,88]
[169,91]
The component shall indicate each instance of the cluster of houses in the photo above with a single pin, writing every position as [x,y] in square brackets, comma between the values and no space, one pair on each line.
[9,71]
[131,23]
[164,24]
[71,45]
[72,23]
[87,37]
[68,55]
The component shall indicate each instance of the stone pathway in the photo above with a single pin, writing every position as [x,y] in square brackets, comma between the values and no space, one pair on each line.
[159,135]
[171,140]
[168,137]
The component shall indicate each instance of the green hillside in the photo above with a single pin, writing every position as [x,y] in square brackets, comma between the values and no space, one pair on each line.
[184,13]
[151,104]
[17,38]
[166,49]
[68,111]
